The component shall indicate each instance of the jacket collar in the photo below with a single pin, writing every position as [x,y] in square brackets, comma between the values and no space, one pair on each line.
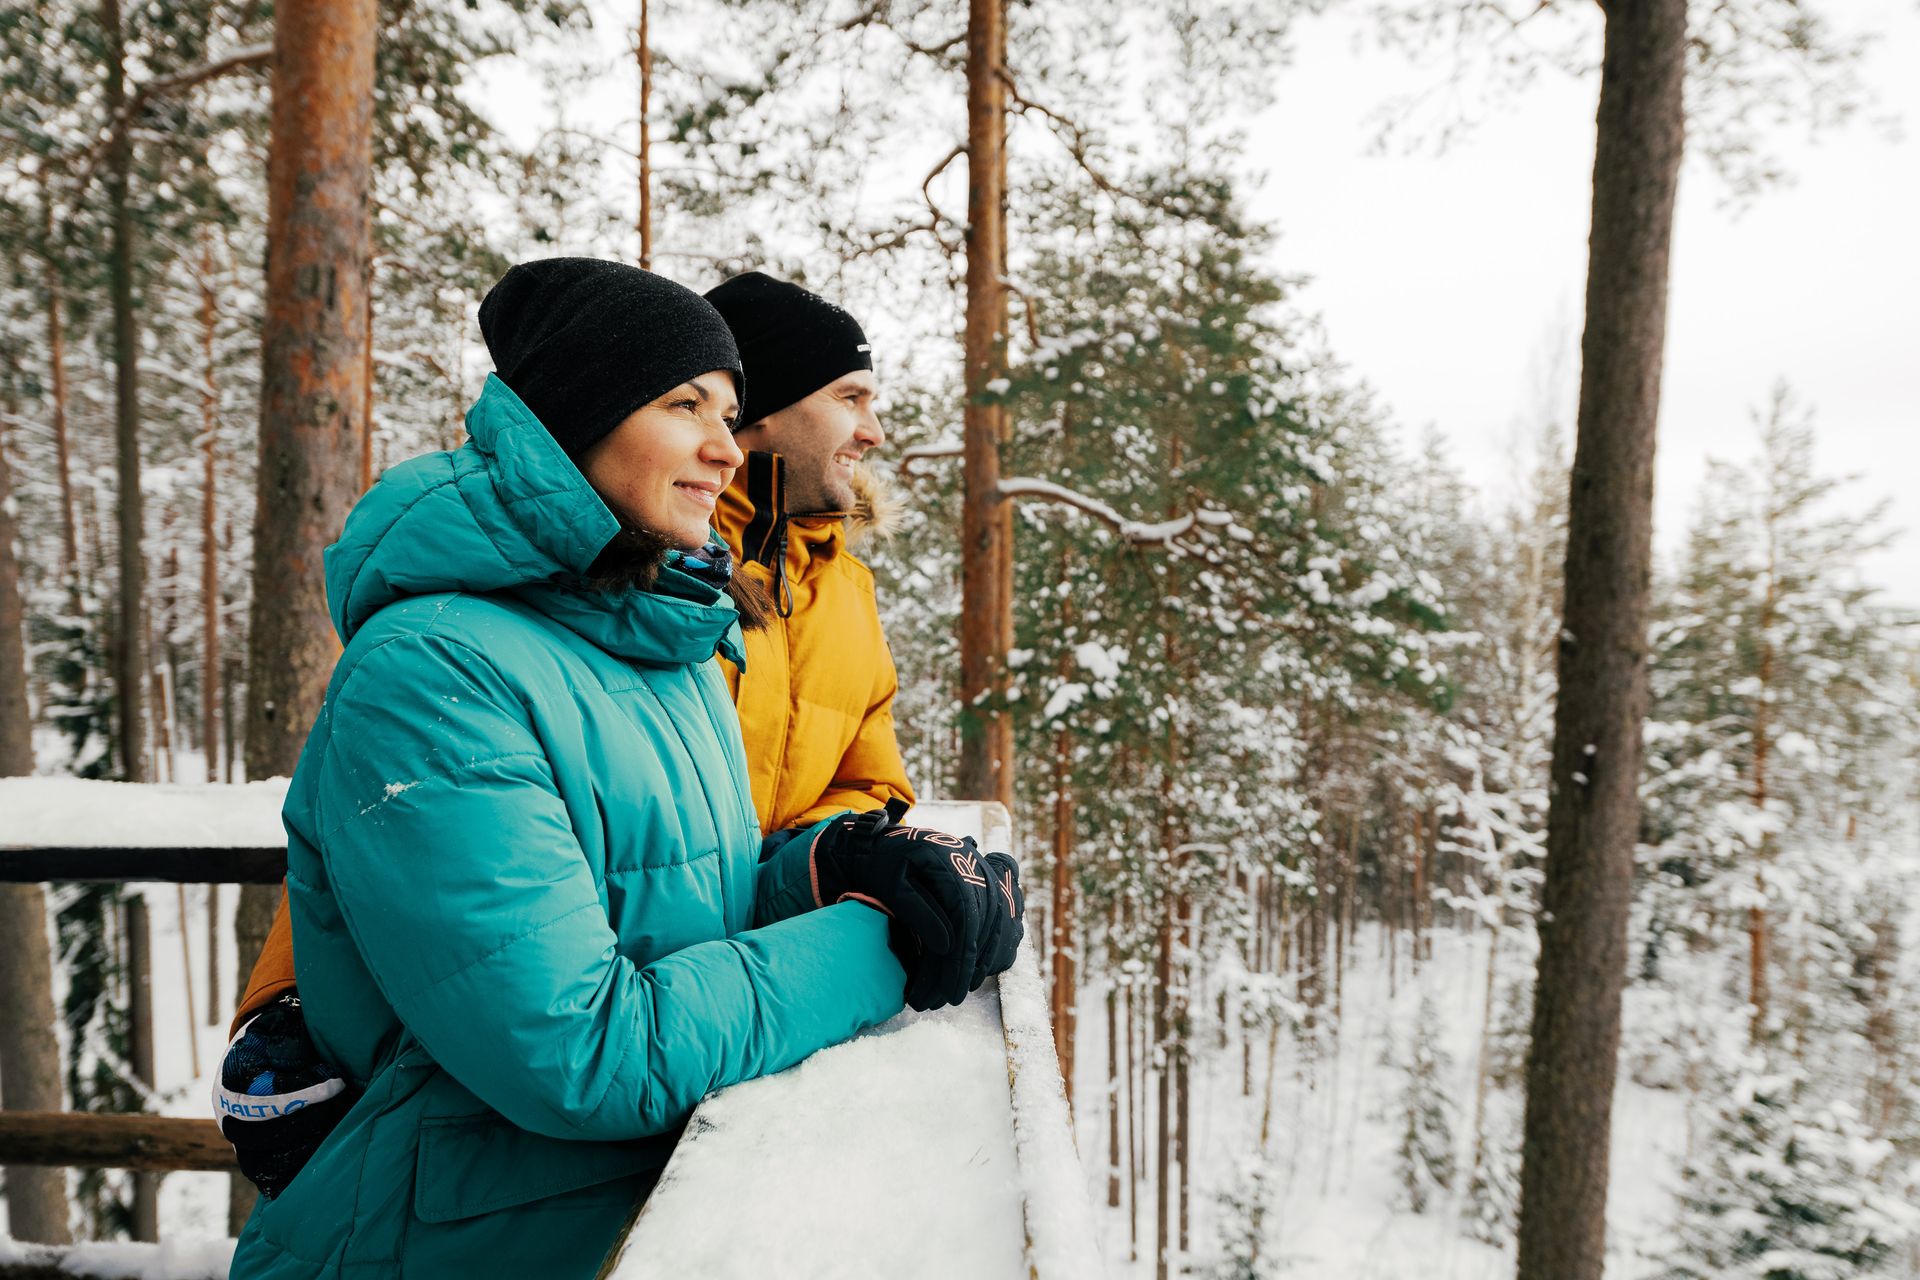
[751,515]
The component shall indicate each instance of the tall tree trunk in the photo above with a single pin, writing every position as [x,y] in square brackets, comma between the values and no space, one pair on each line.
[146,1186]
[62,455]
[1759,932]
[1133,1131]
[129,652]
[29,1053]
[367,383]
[986,521]
[1161,1056]
[644,54]
[1065,977]
[313,365]
[1113,1096]
[313,383]
[1594,811]
[210,671]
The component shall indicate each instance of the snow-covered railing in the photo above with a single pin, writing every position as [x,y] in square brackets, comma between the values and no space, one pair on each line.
[70,829]
[935,1145]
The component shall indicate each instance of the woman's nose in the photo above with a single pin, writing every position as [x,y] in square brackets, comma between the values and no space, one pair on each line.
[722,449]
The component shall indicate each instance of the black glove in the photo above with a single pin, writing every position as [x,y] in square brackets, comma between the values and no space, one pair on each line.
[951,922]
[1010,916]
[276,1100]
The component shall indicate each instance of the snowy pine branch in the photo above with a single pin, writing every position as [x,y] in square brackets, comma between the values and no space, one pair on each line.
[1159,533]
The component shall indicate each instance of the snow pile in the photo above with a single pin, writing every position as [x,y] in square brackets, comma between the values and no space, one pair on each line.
[169,1260]
[78,813]
[891,1155]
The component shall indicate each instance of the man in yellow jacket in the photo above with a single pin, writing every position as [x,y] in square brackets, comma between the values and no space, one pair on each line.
[816,698]
[816,695]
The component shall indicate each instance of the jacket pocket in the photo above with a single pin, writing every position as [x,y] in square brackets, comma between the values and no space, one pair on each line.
[470,1165]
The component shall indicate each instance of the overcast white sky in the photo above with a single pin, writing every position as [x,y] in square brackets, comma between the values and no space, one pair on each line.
[1453,282]
[1449,282]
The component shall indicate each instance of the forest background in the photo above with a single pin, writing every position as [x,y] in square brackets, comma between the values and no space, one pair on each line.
[1280,676]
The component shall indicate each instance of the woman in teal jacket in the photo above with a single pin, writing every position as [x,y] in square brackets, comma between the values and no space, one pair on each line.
[531,921]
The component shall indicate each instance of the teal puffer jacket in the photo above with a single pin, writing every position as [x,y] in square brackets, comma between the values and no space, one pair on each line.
[528,910]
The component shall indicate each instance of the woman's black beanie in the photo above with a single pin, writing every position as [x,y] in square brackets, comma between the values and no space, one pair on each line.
[584,342]
[797,342]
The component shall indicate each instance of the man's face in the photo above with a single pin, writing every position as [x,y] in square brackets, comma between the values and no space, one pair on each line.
[821,437]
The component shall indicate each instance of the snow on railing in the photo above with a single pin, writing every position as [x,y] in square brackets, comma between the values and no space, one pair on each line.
[935,1145]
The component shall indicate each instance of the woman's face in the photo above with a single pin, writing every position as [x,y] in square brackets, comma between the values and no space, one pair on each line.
[663,467]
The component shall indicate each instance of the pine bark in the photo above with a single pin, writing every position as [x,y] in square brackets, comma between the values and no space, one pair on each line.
[1594,810]
[986,521]
[313,364]
[29,1052]
[128,649]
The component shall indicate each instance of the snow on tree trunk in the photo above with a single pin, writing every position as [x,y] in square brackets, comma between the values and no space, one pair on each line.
[1594,808]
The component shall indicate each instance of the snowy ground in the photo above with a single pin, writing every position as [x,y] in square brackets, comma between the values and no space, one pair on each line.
[1333,1142]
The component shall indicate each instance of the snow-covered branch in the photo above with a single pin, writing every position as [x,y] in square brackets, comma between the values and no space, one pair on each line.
[1140,533]
[924,452]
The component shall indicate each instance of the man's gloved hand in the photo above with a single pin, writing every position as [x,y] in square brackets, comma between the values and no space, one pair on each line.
[956,915]
[276,1100]
[1011,918]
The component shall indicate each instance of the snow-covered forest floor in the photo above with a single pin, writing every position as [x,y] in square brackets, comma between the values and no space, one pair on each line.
[1337,1205]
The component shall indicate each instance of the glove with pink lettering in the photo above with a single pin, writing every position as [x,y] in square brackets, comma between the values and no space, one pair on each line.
[956,916]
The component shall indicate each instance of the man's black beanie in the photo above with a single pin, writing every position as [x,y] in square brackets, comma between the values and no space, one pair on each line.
[794,341]
[585,342]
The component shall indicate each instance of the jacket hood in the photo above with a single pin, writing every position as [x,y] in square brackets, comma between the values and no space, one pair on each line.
[508,511]
[876,506]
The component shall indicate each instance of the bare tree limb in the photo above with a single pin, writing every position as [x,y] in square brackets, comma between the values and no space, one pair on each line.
[243,59]
[1077,140]
[926,187]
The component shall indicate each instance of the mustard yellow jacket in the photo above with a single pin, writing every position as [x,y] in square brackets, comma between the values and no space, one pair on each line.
[816,698]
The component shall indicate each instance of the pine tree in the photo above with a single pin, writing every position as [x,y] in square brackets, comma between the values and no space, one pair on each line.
[1426,1163]
[1788,1189]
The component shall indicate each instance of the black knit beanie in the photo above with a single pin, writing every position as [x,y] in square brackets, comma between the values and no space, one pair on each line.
[585,342]
[795,342]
